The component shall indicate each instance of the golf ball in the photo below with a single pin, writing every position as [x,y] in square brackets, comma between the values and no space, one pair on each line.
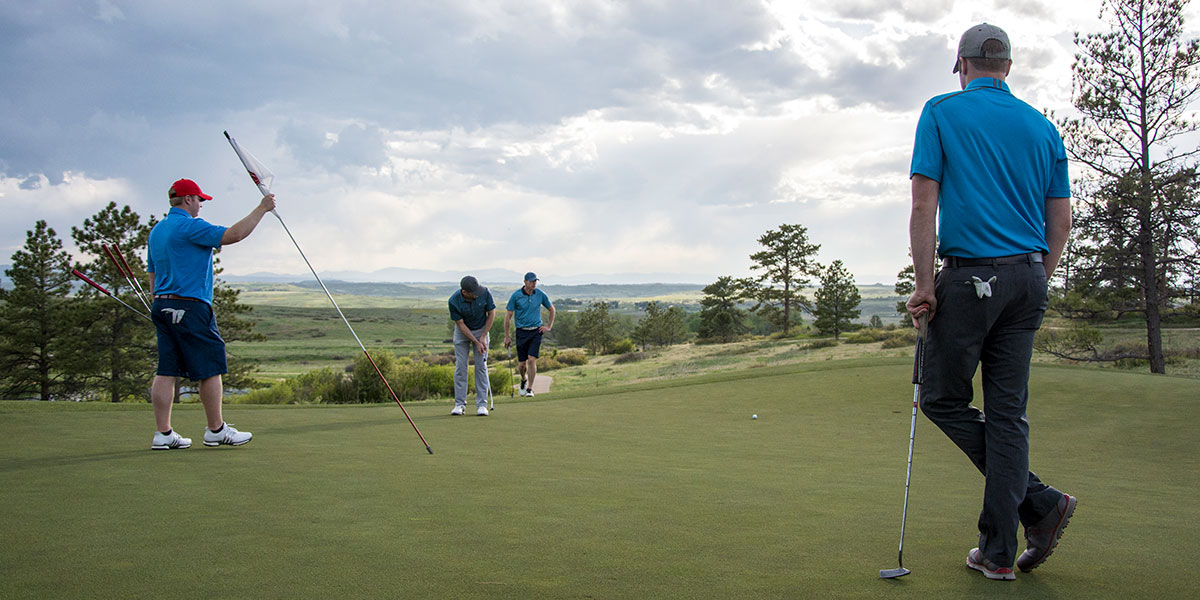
[753,416]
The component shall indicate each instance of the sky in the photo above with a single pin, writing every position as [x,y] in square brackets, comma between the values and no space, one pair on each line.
[586,140]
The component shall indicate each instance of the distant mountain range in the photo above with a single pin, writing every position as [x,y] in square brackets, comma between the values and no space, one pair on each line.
[485,276]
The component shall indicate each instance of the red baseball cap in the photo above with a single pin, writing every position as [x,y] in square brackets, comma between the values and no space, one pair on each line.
[186,187]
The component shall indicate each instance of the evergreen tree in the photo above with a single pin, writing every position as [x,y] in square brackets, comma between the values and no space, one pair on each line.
[38,333]
[597,328]
[1140,212]
[720,318]
[659,327]
[837,301]
[121,344]
[786,264]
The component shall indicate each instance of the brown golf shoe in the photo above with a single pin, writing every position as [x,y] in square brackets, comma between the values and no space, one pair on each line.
[1042,538]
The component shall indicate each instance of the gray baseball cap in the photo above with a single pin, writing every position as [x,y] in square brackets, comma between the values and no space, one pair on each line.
[970,45]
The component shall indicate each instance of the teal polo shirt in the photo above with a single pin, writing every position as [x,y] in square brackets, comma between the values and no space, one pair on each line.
[998,160]
[180,255]
[473,313]
[527,308]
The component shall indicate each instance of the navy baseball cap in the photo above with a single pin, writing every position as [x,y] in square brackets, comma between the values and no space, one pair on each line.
[530,276]
[469,284]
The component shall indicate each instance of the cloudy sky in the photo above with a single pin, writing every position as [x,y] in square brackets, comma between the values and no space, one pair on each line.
[654,140]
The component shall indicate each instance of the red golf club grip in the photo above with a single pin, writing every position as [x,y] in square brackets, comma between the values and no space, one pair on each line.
[121,256]
[76,273]
[113,257]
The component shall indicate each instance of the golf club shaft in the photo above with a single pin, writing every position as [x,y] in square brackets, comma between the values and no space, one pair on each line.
[918,375]
[265,191]
[76,273]
[130,273]
[128,280]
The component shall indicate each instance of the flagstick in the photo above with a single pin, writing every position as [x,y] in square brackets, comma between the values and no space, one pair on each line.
[265,191]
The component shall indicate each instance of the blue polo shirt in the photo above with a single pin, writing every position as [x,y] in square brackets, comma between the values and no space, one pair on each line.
[473,313]
[998,160]
[527,308]
[180,255]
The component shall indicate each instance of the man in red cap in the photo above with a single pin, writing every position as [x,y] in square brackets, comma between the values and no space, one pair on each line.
[180,266]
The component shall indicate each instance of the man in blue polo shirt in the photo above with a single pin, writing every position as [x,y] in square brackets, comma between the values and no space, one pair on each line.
[179,264]
[472,310]
[526,305]
[997,171]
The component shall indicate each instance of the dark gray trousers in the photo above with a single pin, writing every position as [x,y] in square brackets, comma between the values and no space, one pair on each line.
[996,332]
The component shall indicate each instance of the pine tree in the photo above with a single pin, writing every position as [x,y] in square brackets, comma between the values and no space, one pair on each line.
[38,333]
[786,265]
[720,318]
[122,344]
[1140,213]
[837,301]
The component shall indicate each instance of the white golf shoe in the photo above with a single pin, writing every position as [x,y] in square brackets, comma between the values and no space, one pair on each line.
[227,435]
[170,441]
[458,411]
[481,411]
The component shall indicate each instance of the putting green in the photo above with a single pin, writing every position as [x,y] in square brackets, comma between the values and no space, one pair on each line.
[661,491]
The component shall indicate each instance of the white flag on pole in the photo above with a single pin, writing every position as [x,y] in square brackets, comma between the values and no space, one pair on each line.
[258,172]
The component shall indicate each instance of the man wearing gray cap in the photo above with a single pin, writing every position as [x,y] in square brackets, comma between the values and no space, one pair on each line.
[472,310]
[996,169]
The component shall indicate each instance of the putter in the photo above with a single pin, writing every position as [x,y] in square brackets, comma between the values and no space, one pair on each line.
[491,400]
[918,374]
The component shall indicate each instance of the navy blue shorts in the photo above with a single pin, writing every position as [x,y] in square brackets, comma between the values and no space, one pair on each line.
[189,344]
[529,343]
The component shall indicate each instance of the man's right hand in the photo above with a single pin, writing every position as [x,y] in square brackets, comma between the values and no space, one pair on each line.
[507,342]
[268,203]
[919,303]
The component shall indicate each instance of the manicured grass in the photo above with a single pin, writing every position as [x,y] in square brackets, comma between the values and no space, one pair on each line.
[665,489]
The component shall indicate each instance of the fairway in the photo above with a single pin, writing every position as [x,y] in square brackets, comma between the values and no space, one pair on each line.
[664,490]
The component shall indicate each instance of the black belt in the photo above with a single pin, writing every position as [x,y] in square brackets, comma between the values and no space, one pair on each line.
[174,297]
[955,262]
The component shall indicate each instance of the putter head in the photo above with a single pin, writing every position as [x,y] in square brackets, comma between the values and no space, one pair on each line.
[893,573]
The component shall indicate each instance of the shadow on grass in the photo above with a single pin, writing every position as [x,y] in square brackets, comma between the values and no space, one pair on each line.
[23,464]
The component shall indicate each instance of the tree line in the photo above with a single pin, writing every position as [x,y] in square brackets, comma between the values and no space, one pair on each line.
[63,340]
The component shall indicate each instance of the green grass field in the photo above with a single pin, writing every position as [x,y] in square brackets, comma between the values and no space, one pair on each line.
[664,489]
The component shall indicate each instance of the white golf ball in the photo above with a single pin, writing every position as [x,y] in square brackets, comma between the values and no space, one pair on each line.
[753,416]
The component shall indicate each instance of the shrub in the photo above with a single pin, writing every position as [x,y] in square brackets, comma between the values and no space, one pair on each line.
[629,357]
[901,338]
[623,346]
[573,357]
[815,344]
[867,336]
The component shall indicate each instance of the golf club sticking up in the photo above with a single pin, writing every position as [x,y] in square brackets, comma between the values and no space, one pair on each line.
[127,274]
[253,170]
[85,278]
[137,283]
[918,374]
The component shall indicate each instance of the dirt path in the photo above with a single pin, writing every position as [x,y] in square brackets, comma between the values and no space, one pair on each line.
[541,384]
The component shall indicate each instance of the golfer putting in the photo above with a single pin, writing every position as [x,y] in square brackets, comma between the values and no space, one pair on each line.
[995,169]
[472,310]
